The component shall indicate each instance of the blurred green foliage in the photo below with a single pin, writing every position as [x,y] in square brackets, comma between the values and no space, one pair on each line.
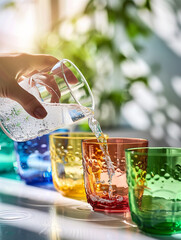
[7,4]
[94,40]
[97,51]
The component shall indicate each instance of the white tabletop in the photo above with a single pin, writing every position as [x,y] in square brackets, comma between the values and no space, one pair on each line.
[44,214]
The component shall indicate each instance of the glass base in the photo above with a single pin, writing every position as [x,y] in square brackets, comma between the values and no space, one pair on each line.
[107,210]
[80,197]
[162,228]
[109,205]
[157,231]
[71,190]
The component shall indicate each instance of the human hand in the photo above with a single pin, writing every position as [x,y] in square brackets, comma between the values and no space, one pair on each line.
[12,67]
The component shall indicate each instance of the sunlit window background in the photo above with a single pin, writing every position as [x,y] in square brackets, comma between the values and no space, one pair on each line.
[129,51]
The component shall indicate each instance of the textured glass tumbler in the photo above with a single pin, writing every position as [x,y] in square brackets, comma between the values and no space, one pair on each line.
[33,159]
[98,184]
[66,158]
[154,179]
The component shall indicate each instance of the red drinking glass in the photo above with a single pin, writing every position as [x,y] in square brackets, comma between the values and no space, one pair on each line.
[104,193]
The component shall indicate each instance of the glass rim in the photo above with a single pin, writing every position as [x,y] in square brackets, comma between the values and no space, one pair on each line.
[154,151]
[84,80]
[58,135]
[135,141]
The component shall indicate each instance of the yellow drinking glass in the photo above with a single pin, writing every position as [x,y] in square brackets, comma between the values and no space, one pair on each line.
[66,159]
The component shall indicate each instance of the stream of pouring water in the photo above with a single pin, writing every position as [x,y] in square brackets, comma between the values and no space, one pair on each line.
[96,129]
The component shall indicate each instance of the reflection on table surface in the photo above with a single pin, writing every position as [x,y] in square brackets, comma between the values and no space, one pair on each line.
[43,214]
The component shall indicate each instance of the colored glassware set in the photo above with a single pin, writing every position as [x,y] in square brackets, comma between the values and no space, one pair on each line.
[146,181]
[153,193]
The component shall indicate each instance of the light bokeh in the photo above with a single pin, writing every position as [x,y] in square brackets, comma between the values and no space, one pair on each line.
[155,107]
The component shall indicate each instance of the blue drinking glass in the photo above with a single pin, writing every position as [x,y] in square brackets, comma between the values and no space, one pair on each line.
[33,159]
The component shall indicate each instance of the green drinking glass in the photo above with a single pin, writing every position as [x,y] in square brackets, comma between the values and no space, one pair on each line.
[154,180]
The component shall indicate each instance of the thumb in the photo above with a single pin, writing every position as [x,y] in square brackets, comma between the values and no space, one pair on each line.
[28,102]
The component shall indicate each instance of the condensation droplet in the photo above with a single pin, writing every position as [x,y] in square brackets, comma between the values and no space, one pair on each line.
[137,168]
[178,167]
[148,176]
[167,176]
[176,175]
[133,175]
[156,177]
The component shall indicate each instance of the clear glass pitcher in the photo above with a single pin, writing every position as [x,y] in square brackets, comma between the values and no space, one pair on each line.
[63,92]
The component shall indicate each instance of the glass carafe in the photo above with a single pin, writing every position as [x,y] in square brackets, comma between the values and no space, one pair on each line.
[63,92]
